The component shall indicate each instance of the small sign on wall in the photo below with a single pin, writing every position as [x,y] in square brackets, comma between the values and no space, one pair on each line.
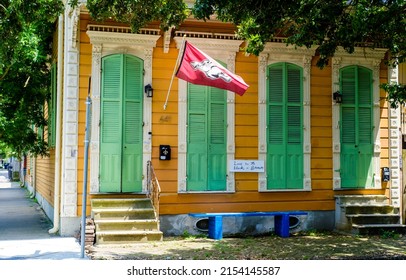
[247,166]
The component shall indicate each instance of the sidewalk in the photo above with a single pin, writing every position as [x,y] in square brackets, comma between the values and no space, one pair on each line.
[24,228]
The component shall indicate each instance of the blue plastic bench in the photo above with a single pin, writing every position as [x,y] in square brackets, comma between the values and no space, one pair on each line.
[216,221]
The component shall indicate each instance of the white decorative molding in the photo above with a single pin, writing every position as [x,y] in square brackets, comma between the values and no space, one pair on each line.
[225,51]
[336,183]
[361,55]
[280,52]
[69,155]
[395,147]
[370,59]
[74,14]
[122,36]
[108,40]
[262,182]
[217,48]
[167,39]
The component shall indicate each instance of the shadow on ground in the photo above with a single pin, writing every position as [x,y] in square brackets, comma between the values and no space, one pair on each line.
[302,246]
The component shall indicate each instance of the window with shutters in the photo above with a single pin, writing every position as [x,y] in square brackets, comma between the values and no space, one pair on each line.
[206,139]
[284,160]
[356,128]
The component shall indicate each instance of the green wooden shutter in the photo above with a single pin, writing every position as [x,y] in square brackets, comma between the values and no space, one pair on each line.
[284,125]
[197,135]
[294,149]
[111,125]
[52,108]
[217,157]
[132,124]
[356,128]
[276,160]
[365,120]
[207,139]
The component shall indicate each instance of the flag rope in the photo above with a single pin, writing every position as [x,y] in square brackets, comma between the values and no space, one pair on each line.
[181,50]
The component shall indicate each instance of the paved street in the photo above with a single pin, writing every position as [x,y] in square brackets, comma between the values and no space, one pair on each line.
[24,228]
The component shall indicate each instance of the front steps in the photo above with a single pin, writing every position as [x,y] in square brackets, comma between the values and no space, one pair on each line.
[125,221]
[367,214]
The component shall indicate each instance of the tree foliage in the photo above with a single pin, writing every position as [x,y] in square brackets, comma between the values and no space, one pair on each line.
[26,33]
[138,13]
[327,24]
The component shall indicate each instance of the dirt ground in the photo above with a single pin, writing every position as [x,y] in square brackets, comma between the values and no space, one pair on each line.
[300,246]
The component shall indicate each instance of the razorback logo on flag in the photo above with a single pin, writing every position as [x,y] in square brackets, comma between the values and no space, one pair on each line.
[198,68]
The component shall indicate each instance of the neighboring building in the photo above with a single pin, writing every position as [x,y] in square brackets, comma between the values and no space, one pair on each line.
[314,151]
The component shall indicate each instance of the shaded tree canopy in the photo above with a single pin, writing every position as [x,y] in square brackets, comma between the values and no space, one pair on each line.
[26,34]
[327,24]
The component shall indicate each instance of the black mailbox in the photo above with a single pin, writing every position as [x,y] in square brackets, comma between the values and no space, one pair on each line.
[164,152]
[385,174]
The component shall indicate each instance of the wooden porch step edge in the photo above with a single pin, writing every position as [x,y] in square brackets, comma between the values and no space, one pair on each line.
[120,199]
[118,210]
[372,215]
[128,232]
[366,205]
[138,221]
[378,226]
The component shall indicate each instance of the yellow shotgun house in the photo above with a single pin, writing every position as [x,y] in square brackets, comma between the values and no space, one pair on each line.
[322,141]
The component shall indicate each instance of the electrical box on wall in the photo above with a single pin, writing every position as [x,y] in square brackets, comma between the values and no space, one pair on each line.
[164,152]
[385,174]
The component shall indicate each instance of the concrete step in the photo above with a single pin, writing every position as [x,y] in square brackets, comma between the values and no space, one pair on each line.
[380,229]
[123,214]
[142,224]
[125,221]
[373,218]
[362,199]
[125,236]
[370,209]
[121,203]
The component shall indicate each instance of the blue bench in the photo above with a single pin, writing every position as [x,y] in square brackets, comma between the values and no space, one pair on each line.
[216,221]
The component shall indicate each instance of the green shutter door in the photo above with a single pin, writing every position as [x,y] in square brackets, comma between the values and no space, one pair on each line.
[197,135]
[284,123]
[206,134]
[217,141]
[132,129]
[110,130]
[276,160]
[356,128]
[294,149]
[121,124]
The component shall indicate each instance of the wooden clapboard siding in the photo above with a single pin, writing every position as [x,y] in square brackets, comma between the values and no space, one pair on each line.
[45,173]
[85,66]
[248,207]
[246,196]
[321,128]
[28,174]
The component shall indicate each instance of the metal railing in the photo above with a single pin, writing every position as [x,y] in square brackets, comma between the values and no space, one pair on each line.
[153,188]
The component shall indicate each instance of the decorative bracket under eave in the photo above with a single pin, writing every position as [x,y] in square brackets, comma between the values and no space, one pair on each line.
[167,39]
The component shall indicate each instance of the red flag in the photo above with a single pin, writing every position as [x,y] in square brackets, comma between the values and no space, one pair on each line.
[198,68]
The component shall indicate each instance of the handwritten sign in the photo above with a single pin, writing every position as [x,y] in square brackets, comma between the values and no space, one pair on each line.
[247,166]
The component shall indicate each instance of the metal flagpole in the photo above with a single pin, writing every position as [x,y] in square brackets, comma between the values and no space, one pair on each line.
[174,70]
[84,195]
